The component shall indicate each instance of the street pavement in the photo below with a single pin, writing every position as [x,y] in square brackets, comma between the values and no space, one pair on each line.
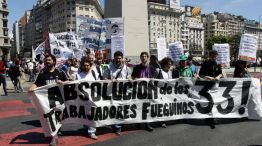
[19,125]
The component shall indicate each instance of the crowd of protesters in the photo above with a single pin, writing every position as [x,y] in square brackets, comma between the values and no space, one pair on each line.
[91,68]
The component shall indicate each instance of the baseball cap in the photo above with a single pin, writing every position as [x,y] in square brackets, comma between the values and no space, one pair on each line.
[183,58]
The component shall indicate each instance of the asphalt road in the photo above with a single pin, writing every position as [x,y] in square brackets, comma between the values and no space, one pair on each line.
[19,125]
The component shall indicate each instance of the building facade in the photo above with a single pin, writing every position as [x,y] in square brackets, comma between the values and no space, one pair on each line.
[135,17]
[163,21]
[192,31]
[5,45]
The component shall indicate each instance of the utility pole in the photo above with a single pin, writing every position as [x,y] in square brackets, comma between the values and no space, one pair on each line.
[259,37]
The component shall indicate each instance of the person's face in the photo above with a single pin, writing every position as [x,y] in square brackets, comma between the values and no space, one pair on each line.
[49,62]
[168,66]
[118,60]
[189,62]
[183,63]
[86,67]
[99,62]
[213,57]
[144,58]
[74,62]
[91,58]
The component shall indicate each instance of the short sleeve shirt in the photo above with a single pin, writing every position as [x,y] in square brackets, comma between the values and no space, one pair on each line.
[112,72]
[45,77]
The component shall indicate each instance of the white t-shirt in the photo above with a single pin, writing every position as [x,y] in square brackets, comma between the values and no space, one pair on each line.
[166,75]
[112,71]
[88,76]
[30,65]
[73,72]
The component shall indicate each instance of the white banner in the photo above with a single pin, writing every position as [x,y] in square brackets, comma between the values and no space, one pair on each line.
[40,49]
[175,51]
[117,45]
[96,34]
[68,38]
[100,103]
[174,4]
[59,48]
[248,47]
[111,27]
[223,51]
[161,48]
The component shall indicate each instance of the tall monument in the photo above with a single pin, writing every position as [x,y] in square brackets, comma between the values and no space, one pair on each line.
[135,17]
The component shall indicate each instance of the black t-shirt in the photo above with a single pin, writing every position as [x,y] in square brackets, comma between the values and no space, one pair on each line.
[45,77]
[210,68]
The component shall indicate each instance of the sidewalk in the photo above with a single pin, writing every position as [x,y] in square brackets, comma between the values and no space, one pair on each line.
[10,87]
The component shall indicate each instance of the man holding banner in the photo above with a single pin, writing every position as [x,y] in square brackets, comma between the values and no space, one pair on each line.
[143,70]
[49,75]
[117,70]
[210,70]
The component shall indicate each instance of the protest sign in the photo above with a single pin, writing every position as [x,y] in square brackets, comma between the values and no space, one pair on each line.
[117,45]
[59,48]
[248,47]
[175,51]
[100,103]
[161,48]
[174,4]
[96,34]
[68,38]
[40,49]
[223,56]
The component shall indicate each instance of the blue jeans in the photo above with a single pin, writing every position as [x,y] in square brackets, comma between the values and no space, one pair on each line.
[3,81]
[17,84]
[31,75]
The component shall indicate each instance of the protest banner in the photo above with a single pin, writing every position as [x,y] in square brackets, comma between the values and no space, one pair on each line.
[111,27]
[59,48]
[100,103]
[223,56]
[117,45]
[175,4]
[88,31]
[40,49]
[248,47]
[161,48]
[96,34]
[68,38]
[175,51]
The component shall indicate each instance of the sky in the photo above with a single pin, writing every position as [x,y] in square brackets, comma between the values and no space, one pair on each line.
[250,9]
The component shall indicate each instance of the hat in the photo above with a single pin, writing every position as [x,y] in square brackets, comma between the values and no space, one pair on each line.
[183,58]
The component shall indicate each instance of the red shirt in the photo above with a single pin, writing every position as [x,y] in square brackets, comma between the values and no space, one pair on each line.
[2,67]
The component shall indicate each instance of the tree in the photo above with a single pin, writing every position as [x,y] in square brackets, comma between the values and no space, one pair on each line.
[216,39]
[234,42]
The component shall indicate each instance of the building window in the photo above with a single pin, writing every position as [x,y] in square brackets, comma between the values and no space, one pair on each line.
[5,32]
[80,8]
[86,9]
[4,23]
[6,41]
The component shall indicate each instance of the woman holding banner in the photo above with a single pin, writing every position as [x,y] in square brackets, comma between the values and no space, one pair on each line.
[165,73]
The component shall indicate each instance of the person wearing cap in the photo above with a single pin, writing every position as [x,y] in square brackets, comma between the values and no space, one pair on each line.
[183,70]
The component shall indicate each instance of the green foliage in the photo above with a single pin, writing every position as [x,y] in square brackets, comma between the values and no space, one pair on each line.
[233,42]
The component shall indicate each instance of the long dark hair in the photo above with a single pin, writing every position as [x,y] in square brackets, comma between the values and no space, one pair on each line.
[240,66]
